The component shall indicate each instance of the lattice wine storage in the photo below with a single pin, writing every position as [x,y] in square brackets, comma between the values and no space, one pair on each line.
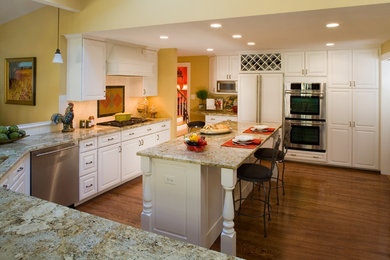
[261,62]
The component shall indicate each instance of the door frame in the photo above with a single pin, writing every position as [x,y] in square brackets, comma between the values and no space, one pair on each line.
[188,66]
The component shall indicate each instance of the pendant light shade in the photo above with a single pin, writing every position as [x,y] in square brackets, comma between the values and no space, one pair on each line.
[57,55]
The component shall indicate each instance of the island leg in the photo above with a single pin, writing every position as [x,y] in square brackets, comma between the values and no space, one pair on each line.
[146,215]
[228,235]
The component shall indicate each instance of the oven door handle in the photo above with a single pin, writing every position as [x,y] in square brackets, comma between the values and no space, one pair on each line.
[297,123]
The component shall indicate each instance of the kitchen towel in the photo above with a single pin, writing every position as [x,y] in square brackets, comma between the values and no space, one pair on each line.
[267,132]
[253,145]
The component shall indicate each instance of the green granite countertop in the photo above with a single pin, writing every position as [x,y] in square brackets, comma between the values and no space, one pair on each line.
[31,228]
[214,154]
[15,151]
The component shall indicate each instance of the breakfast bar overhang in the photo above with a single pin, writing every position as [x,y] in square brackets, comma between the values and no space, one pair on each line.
[189,195]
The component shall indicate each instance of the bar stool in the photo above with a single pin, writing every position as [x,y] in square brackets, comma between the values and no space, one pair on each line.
[195,124]
[265,154]
[258,174]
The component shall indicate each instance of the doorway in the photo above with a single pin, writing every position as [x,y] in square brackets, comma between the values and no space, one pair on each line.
[183,100]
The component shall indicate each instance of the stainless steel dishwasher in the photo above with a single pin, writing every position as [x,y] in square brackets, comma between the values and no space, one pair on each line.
[55,174]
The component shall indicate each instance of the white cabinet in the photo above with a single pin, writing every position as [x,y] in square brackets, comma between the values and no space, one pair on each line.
[353,69]
[149,86]
[213,119]
[163,136]
[309,63]
[353,123]
[87,185]
[88,166]
[18,179]
[271,98]
[227,67]
[109,166]
[131,163]
[86,69]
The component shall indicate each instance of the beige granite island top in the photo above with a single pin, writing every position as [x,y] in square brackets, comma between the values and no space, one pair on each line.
[31,228]
[218,112]
[15,151]
[214,154]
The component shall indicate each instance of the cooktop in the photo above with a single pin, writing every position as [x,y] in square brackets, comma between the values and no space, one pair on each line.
[132,121]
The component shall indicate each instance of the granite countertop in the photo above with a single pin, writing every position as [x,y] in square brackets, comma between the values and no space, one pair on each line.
[31,228]
[218,113]
[214,154]
[15,151]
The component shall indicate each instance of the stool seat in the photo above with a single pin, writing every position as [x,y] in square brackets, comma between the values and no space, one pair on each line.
[195,124]
[266,154]
[253,172]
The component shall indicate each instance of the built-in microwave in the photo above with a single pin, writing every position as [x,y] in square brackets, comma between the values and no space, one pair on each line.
[227,86]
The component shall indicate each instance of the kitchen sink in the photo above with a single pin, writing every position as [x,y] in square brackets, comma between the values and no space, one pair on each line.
[3,158]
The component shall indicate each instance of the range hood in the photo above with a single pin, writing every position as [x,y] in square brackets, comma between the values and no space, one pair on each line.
[128,61]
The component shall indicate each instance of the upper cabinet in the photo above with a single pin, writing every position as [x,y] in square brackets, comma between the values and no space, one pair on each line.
[353,69]
[309,63]
[86,69]
[227,67]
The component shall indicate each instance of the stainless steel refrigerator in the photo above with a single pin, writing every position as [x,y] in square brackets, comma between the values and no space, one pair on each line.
[260,97]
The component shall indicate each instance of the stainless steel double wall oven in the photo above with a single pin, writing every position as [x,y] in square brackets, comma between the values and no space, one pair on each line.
[305,116]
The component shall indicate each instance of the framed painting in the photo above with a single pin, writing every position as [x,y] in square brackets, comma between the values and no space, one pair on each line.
[20,81]
[114,102]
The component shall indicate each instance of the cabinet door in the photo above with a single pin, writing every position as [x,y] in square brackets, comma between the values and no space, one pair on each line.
[149,86]
[248,96]
[365,68]
[271,97]
[163,136]
[340,68]
[94,70]
[109,166]
[234,67]
[294,63]
[148,141]
[339,110]
[316,63]
[131,162]
[365,131]
[212,74]
[223,67]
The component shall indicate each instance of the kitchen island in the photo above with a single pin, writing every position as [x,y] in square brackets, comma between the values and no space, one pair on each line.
[188,195]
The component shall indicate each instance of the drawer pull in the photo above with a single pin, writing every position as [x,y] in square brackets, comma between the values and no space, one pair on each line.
[5,186]
[293,154]
[131,133]
[149,129]
[89,186]
[90,144]
[88,162]
[163,125]
[110,139]
[158,137]
[316,156]
[20,169]
[139,143]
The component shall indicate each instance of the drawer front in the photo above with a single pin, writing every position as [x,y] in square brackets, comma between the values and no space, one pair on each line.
[162,126]
[231,118]
[303,156]
[133,133]
[212,119]
[88,144]
[88,162]
[109,139]
[88,186]
[17,174]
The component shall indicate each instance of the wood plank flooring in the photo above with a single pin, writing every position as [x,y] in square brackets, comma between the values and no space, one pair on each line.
[327,213]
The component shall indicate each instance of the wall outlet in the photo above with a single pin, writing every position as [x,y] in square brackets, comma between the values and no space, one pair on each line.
[193,96]
[170,180]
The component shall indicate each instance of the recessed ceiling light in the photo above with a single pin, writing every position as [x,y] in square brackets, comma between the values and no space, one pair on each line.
[163,37]
[209,49]
[215,25]
[251,43]
[332,25]
[330,44]
[237,36]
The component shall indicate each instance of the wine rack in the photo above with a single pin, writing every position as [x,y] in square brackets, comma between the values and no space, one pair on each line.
[261,62]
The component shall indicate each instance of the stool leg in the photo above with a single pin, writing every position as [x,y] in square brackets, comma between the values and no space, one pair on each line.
[269,194]
[283,177]
[239,210]
[264,210]
[277,185]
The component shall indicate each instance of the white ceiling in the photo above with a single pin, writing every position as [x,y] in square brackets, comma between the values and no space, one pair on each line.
[359,26]
[12,9]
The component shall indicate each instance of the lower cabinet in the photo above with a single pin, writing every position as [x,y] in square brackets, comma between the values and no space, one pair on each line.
[19,178]
[109,166]
[88,185]
[213,119]
[163,136]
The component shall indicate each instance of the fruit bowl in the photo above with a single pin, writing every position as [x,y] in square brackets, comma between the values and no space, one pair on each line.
[195,148]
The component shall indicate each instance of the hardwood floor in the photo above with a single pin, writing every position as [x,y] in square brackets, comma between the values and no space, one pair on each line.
[327,213]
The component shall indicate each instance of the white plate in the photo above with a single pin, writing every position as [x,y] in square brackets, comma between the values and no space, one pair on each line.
[243,138]
[259,127]
[241,142]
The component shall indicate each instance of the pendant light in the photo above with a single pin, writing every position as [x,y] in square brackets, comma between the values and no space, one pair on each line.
[57,55]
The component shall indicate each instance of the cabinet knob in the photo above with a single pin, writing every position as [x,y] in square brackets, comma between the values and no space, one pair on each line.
[149,129]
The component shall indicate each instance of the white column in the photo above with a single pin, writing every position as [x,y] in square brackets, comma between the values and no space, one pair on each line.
[228,235]
[146,215]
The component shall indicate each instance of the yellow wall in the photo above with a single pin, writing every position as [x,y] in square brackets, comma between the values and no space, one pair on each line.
[385,47]
[199,80]
[166,100]
[33,35]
